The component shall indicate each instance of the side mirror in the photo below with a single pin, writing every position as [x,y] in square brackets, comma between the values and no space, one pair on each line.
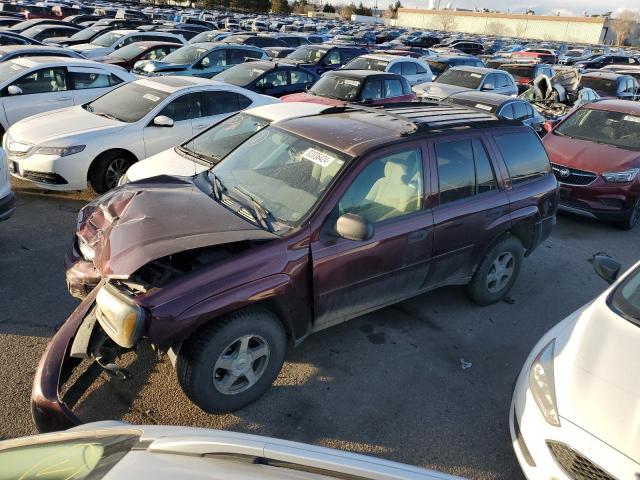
[354,227]
[120,45]
[606,267]
[204,63]
[14,90]
[548,126]
[163,121]
[487,86]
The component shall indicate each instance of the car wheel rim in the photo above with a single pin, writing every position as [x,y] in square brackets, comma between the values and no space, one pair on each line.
[241,364]
[115,170]
[500,272]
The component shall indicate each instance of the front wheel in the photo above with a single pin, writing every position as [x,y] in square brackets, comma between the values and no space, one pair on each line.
[632,220]
[497,272]
[232,362]
[107,170]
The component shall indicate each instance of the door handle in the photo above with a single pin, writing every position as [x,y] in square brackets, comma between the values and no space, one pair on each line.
[200,127]
[417,236]
[495,212]
[63,99]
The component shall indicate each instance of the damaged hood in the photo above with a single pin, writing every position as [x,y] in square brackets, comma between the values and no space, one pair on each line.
[139,222]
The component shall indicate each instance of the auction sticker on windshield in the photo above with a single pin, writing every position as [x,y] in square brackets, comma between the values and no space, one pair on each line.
[318,157]
[151,97]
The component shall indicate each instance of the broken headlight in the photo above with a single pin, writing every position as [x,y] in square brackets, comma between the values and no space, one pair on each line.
[120,318]
[87,252]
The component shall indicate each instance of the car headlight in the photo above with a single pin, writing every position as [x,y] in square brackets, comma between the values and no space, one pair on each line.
[626,176]
[120,318]
[542,384]
[60,151]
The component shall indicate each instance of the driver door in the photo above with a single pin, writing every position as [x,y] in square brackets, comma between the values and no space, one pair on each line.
[351,278]
[42,90]
[181,110]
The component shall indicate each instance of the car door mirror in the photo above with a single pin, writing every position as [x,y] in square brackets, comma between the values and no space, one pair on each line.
[14,90]
[488,86]
[354,227]
[606,267]
[163,121]
[204,63]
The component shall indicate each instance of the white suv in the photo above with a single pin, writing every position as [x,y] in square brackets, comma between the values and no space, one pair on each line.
[413,69]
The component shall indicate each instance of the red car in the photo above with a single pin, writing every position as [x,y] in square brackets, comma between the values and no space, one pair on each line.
[543,55]
[127,57]
[595,154]
[356,86]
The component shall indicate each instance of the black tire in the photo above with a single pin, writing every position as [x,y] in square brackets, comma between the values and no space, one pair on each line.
[484,290]
[212,345]
[107,170]
[632,220]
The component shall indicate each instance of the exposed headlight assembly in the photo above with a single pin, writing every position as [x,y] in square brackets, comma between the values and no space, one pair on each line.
[625,176]
[542,384]
[87,252]
[60,151]
[120,318]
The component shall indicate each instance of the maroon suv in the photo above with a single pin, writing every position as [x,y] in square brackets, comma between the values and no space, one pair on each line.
[595,153]
[306,223]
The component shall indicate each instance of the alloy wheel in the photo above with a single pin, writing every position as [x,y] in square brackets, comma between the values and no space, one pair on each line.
[116,169]
[500,272]
[241,364]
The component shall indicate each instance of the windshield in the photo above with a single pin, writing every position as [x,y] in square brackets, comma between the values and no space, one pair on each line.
[215,143]
[526,72]
[600,126]
[85,34]
[127,53]
[128,103]
[308,54]
[187,54]
[107,39]
[9,70]
[437,67]
[362,63]
[339,88]
[626,298]
[460,78]
[284,173]
[241,75]
[599,84]
[90,456]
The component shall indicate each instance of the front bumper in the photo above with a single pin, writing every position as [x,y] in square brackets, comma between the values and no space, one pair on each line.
[7,206]
[52,172]
[599,200]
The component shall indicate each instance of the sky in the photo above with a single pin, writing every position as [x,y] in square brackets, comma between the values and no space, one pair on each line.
[541,7]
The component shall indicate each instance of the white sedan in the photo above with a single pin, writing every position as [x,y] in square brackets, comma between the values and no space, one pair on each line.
[119,451]
[575,412]
[31,85]
[99,140]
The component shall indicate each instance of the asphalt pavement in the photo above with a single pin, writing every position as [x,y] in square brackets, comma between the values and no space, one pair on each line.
[390,384]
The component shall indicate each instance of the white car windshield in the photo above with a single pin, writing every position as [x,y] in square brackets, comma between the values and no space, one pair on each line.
[188,54]
[9,70]
[128,103]
[460,78]
[308,54]
[284,173]
[107,39]
[362,63]
[339,88]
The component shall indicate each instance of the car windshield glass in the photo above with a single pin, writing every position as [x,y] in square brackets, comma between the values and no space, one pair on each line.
[126,53]
[215,143]
[599,84]
[9,70]
[610,128]
[339,88]
[187,54]
[460,78]
[85,34]
[82,457]
[626,298]
[128,103]
[307,54]
[107,39]
[437,67]
[241,75]
[526,72]
[284,173]
[362,63]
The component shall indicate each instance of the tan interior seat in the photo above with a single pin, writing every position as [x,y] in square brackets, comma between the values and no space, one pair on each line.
[393,194]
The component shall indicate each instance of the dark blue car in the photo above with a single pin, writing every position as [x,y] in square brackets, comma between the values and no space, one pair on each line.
[323,58]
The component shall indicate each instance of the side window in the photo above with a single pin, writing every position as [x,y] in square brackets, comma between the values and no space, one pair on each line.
[420,69]
[332,58]
[237,56]
[502,81]
[217,58]
[507,111]
[485,178]
[84,80]
[520,111]
[372,90]
[183,108]
[524,156]
[490,80]
[154,54]
[409,68]
[128,40]
[298,76]
[396,68]
[114,80]
[218,103]
[44,80]
[388,187]
[347,55]
[393,88]
[276,79]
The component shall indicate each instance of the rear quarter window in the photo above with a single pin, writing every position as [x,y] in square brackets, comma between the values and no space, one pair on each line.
[524,156]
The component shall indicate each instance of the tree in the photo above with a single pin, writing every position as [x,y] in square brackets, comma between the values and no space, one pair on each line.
[346,11]
[445,22]
[328,8]
[496,29]
[392,11]
[280,6]
[624,25]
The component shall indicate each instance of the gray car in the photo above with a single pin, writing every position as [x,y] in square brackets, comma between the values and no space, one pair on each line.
[460,79]
[116,450]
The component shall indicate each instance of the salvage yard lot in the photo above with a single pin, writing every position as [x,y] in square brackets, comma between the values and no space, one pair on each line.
[390,383]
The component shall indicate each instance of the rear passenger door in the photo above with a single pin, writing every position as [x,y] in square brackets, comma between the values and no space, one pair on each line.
[472,206]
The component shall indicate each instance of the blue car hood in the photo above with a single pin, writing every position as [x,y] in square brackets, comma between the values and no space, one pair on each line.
[152,66]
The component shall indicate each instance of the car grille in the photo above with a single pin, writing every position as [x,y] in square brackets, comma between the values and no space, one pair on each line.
[574,176]
[574,465]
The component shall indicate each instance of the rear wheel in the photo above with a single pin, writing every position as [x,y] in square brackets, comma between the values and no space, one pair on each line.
[107,170]
[232,362]
[497,272]
[632,220]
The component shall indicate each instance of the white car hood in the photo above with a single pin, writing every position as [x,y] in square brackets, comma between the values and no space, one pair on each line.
[596,377]
[168,162]
[92,51]
[58,124]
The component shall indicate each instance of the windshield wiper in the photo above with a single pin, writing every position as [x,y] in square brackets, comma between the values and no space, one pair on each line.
[261,214]
[208,159]
[218,186]
[106,115]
